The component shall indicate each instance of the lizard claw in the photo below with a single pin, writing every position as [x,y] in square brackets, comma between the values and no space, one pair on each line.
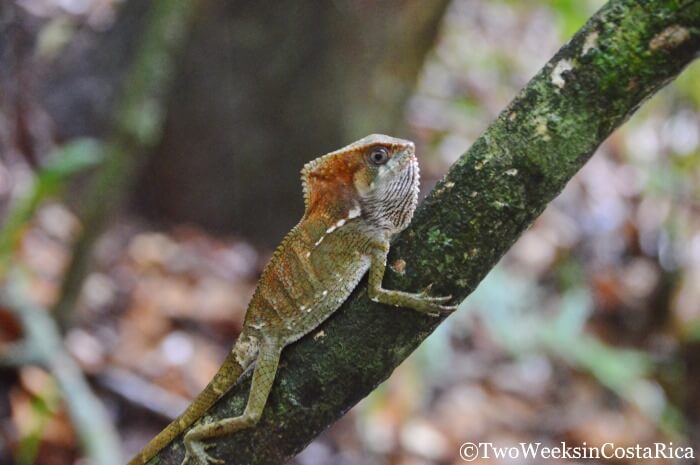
[426,292]
[425,295]
[438,299]
[447,309]
[434,305]
[439,310]
[196,454]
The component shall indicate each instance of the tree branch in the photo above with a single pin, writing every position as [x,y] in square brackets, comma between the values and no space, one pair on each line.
[622,55]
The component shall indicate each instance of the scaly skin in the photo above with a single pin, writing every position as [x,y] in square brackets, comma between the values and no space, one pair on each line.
[357,199]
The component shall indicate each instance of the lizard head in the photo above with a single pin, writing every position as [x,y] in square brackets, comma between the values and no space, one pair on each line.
[375,177]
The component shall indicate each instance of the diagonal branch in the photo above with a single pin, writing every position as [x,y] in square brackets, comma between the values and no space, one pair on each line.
[623,55]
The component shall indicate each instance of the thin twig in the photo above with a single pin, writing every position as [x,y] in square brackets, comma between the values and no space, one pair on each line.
[142,393]
[42,339]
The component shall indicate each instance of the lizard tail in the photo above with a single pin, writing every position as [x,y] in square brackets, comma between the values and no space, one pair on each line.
[227,375]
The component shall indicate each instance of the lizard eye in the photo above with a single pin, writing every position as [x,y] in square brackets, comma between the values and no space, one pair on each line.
[379,155]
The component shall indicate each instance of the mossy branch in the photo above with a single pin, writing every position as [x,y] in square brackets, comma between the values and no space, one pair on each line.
[623,54]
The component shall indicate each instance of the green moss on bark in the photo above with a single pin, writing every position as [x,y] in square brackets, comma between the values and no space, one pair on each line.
[624,53]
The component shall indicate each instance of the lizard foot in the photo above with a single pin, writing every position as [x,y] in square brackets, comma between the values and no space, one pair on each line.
[436,310]
[196,454]
[422,302]
[433,305]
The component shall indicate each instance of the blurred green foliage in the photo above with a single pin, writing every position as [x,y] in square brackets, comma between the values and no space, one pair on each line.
[571,14]
[522,323]
[516,321]
[43,408]
[70,159]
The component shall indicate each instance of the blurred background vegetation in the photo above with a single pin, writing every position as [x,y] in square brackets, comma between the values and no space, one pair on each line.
[588,331]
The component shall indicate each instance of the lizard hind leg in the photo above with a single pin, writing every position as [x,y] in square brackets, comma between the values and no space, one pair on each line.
[263,377]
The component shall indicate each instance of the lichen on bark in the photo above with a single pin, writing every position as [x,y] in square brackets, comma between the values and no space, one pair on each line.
[621,56]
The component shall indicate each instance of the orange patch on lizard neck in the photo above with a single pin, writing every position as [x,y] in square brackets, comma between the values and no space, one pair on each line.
[330,191]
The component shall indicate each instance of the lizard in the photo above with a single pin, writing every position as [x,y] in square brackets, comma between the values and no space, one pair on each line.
[357,199]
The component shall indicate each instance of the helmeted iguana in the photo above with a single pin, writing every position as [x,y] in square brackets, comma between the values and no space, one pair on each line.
[357,199]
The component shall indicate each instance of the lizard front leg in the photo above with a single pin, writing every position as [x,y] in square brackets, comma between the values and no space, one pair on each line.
[263,377]
[421,302]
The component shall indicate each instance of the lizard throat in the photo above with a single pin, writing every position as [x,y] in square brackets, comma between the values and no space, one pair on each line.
[391,205]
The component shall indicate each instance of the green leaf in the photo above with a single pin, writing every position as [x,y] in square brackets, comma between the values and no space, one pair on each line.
[70,159]
[73,157]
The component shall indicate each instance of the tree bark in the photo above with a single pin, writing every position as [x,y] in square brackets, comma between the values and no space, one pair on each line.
[622,55]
